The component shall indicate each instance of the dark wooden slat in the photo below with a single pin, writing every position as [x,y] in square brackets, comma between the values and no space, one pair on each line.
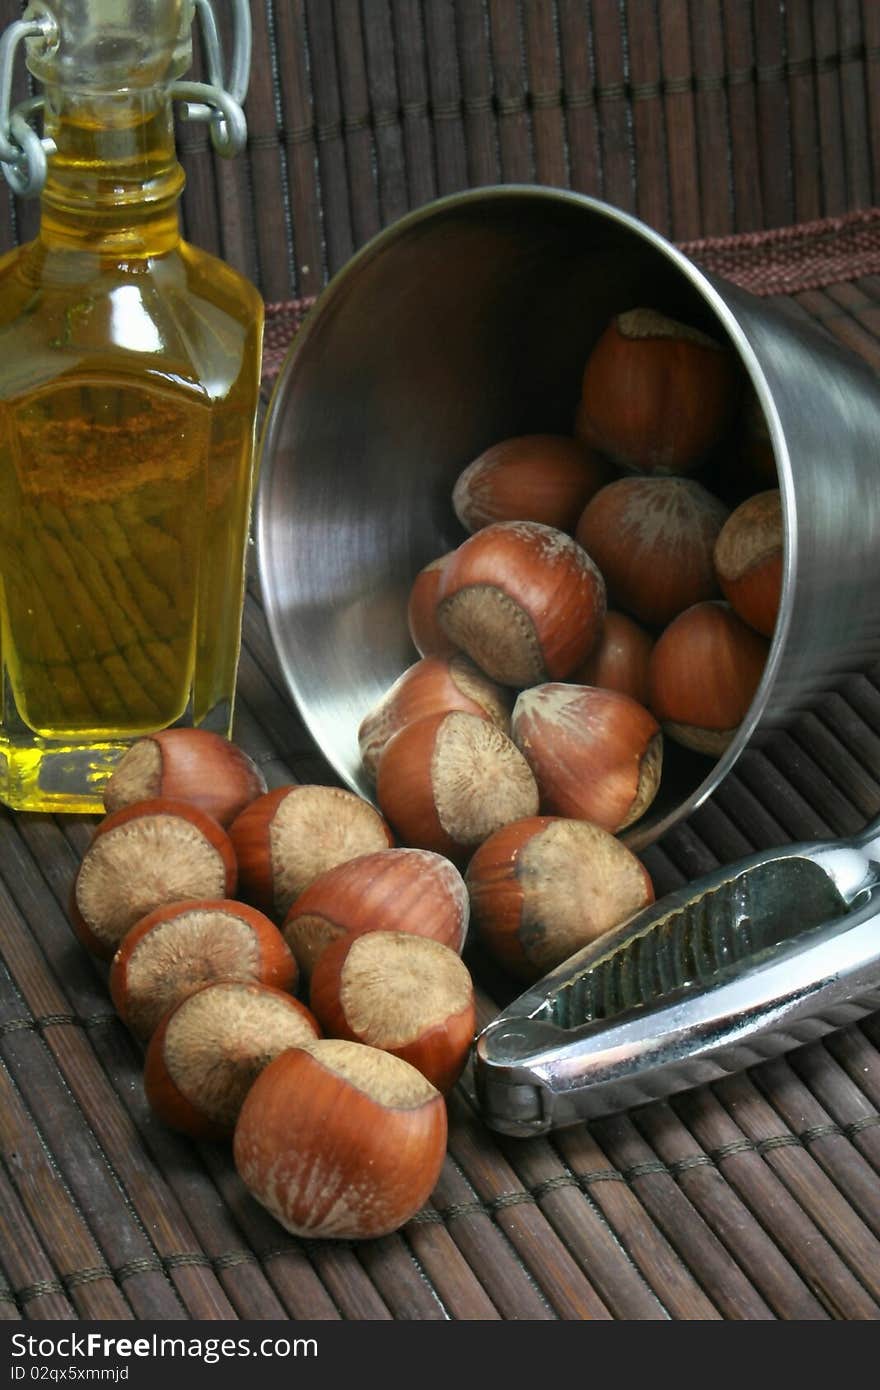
[773,130]
[412,63]
[355,100]
[672,1281]
[754,1248]
[150,1284]
[856,1181]
[834,1071]
[741,96]
[845,769]
[681,131]
[267,191]
[444,85]
[333,170]
[871,136]
[799,818]
[648,134]
[291,38]
[385,104]
[853,100]
[47,1202]
[517,164]
[791,1226]
[612,105]
[834,1216]
[808,195]
[581,1225]
[720,834]
[390,1265]
[537,1245]
[456,1282]
[803,773]
[832,152]
[486,1248]
[476,86]
[545,87]
[694,1241]
[26,1264]
[581,120]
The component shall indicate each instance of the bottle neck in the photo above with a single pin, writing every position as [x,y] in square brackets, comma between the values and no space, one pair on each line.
[114,182]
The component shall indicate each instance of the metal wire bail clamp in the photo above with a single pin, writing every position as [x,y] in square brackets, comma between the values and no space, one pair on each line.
[24,153]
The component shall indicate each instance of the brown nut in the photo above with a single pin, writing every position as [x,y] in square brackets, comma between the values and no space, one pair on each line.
[284,839]
[430,686]
[181,946]
[342,1140]
[142,857]
[653,538]
[448,781]
[542,888]
[596,754]
[523,600]
[401,890]
[748,560]
[209,1049]
[428,637]
[656,394]
[619,660]
[703,674]
[191,765]
[405,994]
[533,477]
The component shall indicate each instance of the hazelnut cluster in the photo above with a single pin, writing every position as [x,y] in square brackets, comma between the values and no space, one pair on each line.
[614,589]
[217,903]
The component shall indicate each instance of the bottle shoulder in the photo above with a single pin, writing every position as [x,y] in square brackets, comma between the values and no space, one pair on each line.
[185,313]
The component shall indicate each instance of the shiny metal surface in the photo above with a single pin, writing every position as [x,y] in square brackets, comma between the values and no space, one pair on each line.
[743,965]
[468,321]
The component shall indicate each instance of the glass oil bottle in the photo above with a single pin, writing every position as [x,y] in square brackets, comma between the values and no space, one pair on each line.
[129,380]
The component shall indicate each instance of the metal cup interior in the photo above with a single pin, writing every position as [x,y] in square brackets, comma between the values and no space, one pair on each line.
[470,321]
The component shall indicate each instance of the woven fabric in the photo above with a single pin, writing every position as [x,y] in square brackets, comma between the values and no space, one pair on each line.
[790,260]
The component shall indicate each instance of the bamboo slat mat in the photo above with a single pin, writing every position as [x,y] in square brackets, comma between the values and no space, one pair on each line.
[702,117]
[757,1198]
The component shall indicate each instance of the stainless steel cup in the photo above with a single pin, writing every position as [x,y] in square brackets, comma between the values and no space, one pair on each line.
[469,321]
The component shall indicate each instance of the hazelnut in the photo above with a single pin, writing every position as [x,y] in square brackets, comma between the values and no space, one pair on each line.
[596,754]
[448,781]
[284,839]
[434,684]
[342,1140]
[534,477]
[619,660]
[748,560]
[428,637]
[653,538]
[191,765]
[703,674]
[401,890]
[543,888]
[523,600]
[142,857]
[209,1049]
[182,946]
[405,994]
[657,394]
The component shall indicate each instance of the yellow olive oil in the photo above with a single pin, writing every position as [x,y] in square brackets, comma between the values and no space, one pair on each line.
[129,379]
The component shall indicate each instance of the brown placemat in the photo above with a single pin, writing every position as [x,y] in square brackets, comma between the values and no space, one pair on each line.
[756,1198]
